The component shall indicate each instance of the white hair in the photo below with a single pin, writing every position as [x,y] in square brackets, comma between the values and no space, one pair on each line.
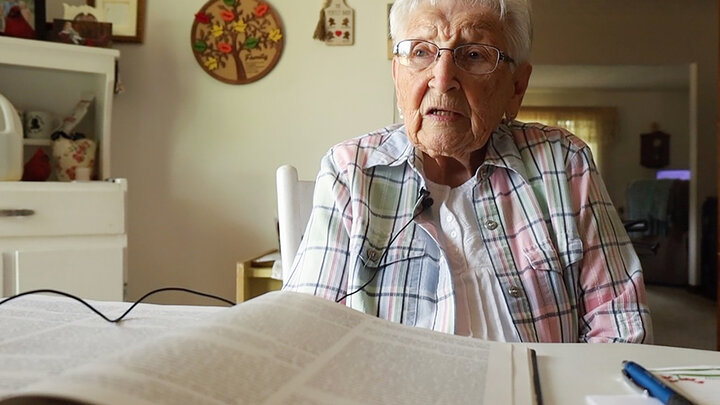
[515,14]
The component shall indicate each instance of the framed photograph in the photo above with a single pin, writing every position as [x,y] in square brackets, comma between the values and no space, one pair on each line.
[389,38]
[22,18]
[82,32]
[127,18]
[82,13]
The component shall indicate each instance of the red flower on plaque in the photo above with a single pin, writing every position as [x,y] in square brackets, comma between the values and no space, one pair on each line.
[224,47]
[261,10]
[202,18]
[227,15]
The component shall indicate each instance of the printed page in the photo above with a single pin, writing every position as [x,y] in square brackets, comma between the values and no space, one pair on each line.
[42,336]
[700,384]
[289,348]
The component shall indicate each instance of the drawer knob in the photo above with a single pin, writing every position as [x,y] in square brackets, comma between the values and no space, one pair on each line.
[16,213]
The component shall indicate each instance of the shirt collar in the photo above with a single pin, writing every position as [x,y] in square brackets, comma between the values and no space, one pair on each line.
[503,150]
[396,149]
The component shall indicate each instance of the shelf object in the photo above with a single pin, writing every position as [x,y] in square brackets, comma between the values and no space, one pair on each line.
[51,76]
[37,142]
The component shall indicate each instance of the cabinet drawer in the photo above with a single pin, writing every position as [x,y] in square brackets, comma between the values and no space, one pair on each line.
[62,209]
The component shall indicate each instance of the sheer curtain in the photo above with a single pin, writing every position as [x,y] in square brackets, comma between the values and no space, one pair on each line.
[594,125]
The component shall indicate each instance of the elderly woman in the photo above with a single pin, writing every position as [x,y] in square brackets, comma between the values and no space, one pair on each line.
[463,220]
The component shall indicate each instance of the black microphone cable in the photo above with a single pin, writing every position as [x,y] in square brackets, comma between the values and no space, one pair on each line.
[121,317]
[426,202]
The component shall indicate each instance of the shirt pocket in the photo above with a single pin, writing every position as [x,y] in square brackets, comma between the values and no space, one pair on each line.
[375,255]
[545,257]
[546,271]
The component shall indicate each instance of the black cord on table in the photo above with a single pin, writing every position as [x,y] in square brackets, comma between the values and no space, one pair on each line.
[120,318]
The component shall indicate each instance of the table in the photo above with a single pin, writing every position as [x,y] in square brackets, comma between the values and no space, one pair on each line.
[570,372]
[253,276]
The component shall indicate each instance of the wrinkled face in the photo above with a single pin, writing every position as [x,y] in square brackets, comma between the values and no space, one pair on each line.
[447,111]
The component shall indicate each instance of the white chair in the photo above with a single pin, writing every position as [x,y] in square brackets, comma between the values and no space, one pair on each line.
[294,206]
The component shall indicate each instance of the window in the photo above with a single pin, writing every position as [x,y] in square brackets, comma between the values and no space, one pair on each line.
[594,125]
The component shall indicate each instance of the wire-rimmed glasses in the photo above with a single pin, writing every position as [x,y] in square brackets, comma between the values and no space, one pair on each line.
[473,58]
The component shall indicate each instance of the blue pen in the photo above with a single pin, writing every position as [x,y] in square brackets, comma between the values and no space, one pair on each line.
[656,388]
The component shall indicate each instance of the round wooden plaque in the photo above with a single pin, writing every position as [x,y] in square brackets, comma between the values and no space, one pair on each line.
[237,41]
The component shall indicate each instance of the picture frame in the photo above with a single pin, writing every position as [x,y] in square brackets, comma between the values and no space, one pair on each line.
[127,18]
[82,13]
[389,37]
[23,18]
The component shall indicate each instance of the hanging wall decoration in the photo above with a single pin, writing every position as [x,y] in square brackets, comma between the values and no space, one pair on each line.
[336,25]
[655,148]
[237,41]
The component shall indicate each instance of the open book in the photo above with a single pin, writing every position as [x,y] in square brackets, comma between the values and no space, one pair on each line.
[286,348]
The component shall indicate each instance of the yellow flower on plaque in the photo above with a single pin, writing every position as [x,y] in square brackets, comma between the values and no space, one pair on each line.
[240,26]
[211,63]
[217,30]
[275,35]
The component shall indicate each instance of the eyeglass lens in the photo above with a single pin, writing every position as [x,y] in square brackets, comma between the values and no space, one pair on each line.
[473,58]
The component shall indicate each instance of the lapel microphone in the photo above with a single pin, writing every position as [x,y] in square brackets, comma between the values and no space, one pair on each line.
[423,202]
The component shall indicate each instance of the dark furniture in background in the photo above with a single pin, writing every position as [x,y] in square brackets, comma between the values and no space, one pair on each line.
[663,246]
[708,248]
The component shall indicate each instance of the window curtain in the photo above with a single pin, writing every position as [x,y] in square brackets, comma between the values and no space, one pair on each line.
[594,125]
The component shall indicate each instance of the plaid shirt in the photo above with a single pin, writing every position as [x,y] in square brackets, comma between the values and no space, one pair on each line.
[564,262]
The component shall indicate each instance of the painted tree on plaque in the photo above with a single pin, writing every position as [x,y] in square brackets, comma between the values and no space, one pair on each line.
[237,41]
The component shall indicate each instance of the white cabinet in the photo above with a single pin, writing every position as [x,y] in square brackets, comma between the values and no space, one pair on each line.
[67,236]
[64,236]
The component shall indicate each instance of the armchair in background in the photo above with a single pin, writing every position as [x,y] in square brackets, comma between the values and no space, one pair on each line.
[662,244]
[294,206]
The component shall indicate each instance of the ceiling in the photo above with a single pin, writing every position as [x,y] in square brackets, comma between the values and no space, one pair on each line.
[627,77]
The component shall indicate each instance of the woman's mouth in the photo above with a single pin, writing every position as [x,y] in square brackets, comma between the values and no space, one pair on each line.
[442,114]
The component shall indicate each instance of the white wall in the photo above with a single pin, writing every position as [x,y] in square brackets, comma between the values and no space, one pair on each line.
[200,155]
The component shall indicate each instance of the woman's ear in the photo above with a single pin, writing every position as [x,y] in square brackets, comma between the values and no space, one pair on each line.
[394,68]
[521,78]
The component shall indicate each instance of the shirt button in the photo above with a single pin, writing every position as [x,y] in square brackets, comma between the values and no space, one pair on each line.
[490,224]
[372,254]
[453,234]
[449,218]
[514,291]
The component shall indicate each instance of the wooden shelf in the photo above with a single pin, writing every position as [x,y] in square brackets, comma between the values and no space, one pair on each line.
[37,142]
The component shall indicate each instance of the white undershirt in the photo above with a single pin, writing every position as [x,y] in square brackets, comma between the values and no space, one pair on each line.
[481,309]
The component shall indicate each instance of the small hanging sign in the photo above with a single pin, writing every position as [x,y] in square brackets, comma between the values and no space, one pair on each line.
[235,41]
[337,24]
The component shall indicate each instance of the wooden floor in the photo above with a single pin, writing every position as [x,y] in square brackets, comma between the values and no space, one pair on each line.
[681,318]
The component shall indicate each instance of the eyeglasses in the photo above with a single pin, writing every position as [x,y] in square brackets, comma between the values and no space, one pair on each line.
[473,58]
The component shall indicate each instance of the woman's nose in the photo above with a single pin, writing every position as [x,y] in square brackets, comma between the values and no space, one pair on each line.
[444,72]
